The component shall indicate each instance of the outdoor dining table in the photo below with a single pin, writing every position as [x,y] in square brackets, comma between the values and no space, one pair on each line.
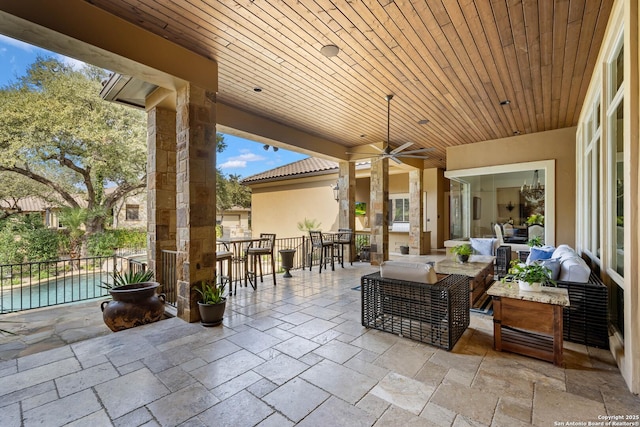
[239,246]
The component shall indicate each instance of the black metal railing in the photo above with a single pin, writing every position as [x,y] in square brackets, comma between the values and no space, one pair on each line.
[41,284]
[169,276]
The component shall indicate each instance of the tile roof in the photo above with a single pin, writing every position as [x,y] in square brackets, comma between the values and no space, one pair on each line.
[305,167]
[29,204]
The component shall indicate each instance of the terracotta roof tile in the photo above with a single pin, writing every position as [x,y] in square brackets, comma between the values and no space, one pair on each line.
[308,166]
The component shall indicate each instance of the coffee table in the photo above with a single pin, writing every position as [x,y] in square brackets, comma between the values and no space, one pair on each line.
[479,269]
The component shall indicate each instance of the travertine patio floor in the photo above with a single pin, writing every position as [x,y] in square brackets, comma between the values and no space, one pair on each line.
[294,354]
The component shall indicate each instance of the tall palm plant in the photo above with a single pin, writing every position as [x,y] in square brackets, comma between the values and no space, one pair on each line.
[74,220]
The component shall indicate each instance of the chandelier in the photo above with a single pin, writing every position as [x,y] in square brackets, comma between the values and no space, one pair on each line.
[533,193]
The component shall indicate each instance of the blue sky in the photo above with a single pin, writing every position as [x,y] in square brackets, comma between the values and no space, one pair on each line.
[242,157]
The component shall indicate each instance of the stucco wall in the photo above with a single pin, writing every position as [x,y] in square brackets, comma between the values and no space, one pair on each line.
[558,145]
[279,207]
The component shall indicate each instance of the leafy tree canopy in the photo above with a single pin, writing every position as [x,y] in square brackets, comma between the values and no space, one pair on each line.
[56,131]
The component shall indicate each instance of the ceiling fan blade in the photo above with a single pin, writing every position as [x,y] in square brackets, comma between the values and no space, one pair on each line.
[395,159]
[418,150]
[412,156]
[400,148]
[362,154]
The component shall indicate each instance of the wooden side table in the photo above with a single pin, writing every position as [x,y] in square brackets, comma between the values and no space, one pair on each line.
[528,323]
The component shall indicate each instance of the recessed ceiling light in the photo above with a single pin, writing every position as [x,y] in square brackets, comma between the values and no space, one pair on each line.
[505,102]
[423,122]
[363,135]
[329,50]
[257,89]
[516,132]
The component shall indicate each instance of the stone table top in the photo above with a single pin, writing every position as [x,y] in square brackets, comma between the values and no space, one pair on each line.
[475,265]
[550,295]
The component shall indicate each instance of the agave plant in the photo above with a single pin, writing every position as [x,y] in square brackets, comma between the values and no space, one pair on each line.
[121,279]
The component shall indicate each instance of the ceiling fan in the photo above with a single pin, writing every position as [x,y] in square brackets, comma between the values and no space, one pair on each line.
[399,152]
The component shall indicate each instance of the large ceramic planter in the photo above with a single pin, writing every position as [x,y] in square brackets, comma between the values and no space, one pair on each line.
[529,287]
[133,305]
[212,314]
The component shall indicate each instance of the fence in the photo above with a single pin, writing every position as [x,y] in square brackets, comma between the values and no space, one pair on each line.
[41,284]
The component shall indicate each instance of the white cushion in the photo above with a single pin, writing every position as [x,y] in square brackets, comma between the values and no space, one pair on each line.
[574,269]
[563,251]
[409,271]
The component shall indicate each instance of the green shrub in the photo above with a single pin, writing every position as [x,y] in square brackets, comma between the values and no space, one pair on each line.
[11,251]
[41,244]
[103,244]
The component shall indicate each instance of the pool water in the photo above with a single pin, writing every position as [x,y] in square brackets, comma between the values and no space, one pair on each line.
[71,288]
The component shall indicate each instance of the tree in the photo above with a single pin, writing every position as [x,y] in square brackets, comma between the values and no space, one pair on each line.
[239,194]
[56,131]
[15,188]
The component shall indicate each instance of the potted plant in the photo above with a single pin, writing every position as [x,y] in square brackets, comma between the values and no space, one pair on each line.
[135,301]
[212,303]
[535,241]
[463,252]
[530,277]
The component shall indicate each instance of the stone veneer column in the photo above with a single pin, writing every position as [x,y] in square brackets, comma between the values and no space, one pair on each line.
[161,186]
[347,187]
[196,194]
[379,197]
[416,212]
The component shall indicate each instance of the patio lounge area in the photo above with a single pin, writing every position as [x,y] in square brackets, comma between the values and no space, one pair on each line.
[296,354]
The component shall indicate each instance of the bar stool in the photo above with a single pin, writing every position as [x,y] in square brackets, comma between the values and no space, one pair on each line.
[318,243]
[221,257]
[254,256]
[343,238]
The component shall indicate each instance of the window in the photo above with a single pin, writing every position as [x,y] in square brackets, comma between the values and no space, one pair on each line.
[399,210]
[132,212]
[591,182]
[614,184]
[615,163]
[517,193]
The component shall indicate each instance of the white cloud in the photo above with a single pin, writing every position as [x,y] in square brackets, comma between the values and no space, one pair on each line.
[16,43]
[241,160]
[248,156]
[232,164]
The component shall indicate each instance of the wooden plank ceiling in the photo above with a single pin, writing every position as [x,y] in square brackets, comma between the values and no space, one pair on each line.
[448,62]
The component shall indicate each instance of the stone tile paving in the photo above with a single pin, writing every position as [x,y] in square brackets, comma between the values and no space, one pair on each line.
[294,354]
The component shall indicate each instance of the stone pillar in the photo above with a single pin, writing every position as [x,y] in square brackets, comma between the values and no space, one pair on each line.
[347,210]
[379,197]
[196,194]
[416,212]
[161,186]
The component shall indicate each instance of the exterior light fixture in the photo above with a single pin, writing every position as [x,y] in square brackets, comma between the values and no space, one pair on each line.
[423,121]
[257,89]
[275,149]
[336,192]
[505,102]
[266,147]
[329,50]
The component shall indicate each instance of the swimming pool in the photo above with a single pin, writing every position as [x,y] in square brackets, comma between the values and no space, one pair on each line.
[70,288]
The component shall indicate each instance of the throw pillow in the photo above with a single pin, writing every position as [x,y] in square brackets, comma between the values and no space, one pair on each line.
[552,264]
[536,253]
[483,246]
